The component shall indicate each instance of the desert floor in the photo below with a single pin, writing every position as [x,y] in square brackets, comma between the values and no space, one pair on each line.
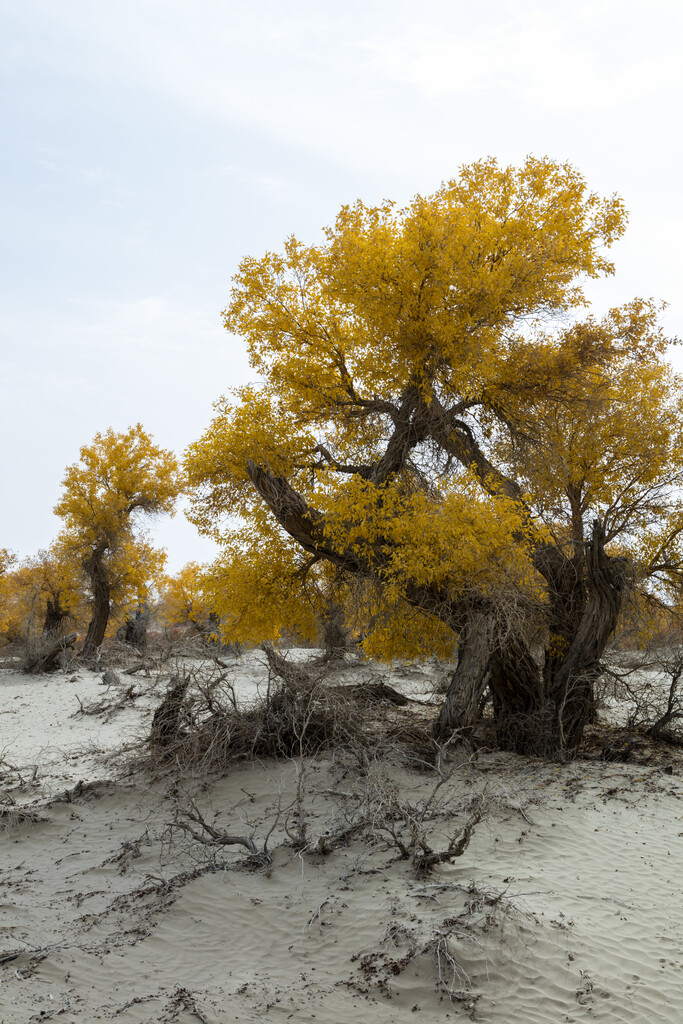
[566,906]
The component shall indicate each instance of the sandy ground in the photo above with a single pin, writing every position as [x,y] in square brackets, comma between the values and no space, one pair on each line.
[567,905]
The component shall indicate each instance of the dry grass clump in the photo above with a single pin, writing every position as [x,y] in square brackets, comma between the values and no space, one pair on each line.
[12,814]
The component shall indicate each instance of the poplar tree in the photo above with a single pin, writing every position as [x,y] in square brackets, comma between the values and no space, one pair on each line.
[120,479]
[443,433]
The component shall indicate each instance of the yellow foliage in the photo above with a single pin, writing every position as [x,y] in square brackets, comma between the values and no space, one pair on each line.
[15,607]
[49,578]
[434,432]
[120,478]
[183,600]
[7,559]
[134,569]
[259,591]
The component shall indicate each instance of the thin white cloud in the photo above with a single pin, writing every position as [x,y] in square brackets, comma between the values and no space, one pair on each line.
[381,85]
[549,59]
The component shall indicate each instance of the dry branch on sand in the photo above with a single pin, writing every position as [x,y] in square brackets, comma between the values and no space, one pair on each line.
[107,708]
[375,809]
[193,824]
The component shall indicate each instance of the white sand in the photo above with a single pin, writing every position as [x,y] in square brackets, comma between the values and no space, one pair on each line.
[567,905]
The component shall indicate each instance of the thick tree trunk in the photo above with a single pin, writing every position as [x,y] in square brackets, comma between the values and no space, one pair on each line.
[460,709]
[542,709]
[570,692]
[334,633]
[134,629]
[54,616]
[545,714]
[101,590]
[518,698]
[566,582]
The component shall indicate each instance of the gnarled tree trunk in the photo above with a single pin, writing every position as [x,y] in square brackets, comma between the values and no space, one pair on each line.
[335,635]
[460,709]
[101,590]
[54,615]
[134,629]
[570,691]
[542,709]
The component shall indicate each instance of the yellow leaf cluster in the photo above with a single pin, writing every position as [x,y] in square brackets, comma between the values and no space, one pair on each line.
[49,576]
[183,600]
[120,476]
[259,592]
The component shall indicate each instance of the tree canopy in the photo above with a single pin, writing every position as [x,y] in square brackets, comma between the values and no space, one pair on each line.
[439,440]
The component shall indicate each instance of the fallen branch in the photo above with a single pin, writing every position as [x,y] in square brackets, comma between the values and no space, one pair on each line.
[137,667]
[374,693]
[291,674]
[43,660]
[107,707]
[426,858]
[209,836]
[184,1000]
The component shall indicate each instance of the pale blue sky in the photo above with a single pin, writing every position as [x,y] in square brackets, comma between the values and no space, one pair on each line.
[148,145]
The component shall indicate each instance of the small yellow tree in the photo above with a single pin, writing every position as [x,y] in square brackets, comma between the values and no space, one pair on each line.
[7,559]
[120,478]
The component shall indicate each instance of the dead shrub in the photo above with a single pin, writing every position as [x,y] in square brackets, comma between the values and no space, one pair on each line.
[201,725]
[12,814]
[648,686]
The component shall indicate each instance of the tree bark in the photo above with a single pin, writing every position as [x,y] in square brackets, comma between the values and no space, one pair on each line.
[134,629]
[543,712]
[539,709]
[334,633]
[460,708]
[571,690]
[517,687]
[167,717]
[54,615]
[96,569]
